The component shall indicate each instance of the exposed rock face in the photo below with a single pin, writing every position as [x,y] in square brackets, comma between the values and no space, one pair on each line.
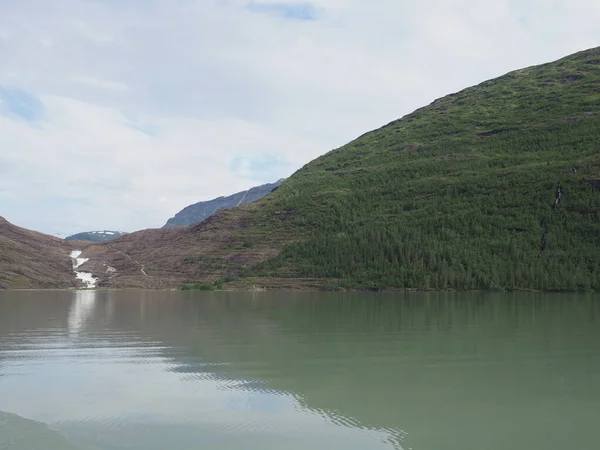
[203,210]
[32,260]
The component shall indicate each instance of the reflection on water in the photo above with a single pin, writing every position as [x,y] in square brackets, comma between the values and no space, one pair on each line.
[155,370]
[17,433]
[81,309]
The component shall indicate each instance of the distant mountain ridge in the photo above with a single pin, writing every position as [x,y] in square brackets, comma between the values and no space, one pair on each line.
[96,236]
[203,210]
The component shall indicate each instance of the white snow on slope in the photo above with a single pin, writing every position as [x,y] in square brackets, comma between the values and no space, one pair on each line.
[77,261]
[86,277]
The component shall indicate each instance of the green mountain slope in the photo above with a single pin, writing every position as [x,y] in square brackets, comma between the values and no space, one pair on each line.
[460,194]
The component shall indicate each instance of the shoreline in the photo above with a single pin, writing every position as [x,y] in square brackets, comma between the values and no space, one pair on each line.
[307,290]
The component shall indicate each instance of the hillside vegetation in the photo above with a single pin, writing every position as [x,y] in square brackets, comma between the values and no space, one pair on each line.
[492,188]
[461,194]
[30,260]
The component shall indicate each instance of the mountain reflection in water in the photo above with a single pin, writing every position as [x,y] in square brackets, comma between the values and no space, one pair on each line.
[151,370]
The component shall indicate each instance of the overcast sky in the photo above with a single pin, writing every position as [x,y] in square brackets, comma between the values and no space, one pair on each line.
[116,114]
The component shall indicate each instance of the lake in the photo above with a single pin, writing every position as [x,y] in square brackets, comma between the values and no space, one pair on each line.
[96,370]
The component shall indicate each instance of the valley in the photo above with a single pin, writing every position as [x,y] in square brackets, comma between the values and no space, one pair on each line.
[491,188]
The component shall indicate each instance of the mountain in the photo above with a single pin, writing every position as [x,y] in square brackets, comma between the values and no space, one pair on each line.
[493,187]
[96,236]
[203,210]
[34,260]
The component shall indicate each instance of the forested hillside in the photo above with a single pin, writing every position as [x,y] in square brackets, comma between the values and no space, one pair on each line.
[495,187]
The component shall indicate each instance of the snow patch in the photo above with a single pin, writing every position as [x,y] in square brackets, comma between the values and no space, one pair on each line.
[86,277]
[77,261]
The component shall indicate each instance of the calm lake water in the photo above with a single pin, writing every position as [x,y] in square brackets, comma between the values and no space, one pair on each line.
[182,370]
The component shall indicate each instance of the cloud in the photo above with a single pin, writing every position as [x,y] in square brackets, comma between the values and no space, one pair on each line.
[137,177]
[100,84]
[264,167]
[17,103]
[141,108]
[294,11]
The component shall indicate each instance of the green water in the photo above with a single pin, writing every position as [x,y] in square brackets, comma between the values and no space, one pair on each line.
[263,371]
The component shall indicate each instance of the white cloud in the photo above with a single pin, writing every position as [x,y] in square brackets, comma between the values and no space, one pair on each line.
[100,84]
[109,172]
[150,106]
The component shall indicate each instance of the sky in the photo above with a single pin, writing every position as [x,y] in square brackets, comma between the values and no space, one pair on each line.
[116,114]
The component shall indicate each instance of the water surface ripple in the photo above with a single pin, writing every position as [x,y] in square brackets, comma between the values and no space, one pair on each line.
[137,370]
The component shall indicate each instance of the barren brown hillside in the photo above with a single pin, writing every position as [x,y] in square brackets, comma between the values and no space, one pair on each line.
[170,257]
[31,260]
